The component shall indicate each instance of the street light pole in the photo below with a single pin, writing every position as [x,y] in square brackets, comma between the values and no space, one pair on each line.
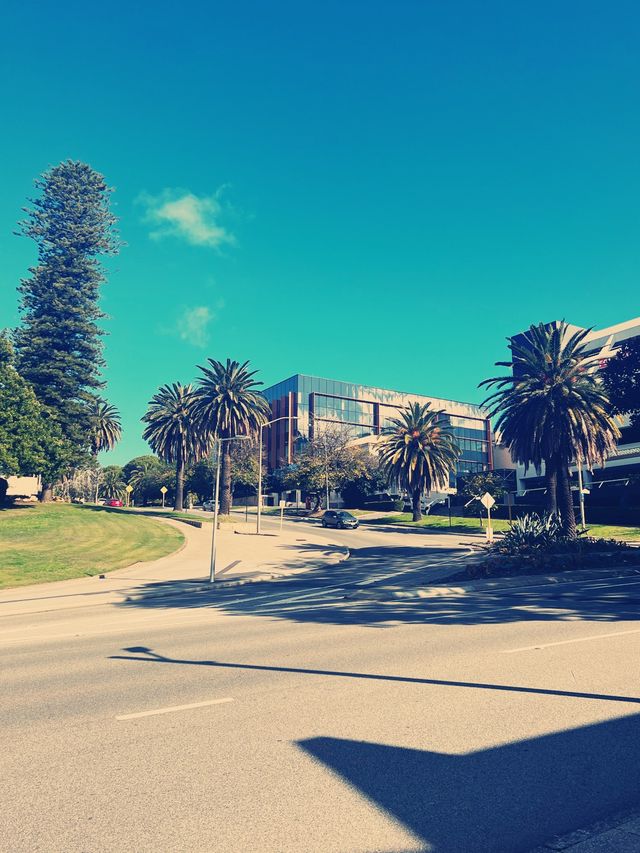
[581,490]
[259,513]
[216,494]
[214,535]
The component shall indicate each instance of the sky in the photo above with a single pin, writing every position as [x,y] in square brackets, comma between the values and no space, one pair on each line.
[374,192]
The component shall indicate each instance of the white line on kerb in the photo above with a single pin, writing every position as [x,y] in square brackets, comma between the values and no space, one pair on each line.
[566,642]
[173,708]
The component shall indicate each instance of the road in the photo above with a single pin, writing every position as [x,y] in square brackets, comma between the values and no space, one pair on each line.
[291,717]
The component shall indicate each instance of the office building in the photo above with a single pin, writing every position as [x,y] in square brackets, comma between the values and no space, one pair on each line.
[305,405]
[624,464]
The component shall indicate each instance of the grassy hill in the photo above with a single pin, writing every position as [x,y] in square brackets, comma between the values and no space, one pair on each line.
[50,542]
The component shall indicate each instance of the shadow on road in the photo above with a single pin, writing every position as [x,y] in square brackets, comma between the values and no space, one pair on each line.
[147,655]
[505,799]
[327,594]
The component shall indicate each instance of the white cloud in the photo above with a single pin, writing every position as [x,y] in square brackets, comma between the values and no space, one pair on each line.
[193,325]
[194,218]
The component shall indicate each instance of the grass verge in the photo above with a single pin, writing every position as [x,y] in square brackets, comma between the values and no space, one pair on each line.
[472,525]
[50,542]
[170,513]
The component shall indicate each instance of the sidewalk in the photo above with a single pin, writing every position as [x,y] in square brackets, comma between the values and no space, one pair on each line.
[242,556]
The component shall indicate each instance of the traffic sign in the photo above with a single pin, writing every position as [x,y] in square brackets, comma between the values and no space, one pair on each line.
[487,500]
[129,489]
[164,490]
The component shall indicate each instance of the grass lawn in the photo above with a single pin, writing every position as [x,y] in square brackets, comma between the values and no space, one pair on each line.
[471,525]
[51,542]
[169,513]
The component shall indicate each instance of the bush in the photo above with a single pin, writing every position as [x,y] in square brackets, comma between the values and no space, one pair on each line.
[536,543]
[398,505]
[531,531]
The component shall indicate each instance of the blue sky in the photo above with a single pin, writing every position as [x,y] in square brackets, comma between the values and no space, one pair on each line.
[374,192]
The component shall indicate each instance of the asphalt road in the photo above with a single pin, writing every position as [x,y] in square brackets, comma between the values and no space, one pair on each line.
[288,717]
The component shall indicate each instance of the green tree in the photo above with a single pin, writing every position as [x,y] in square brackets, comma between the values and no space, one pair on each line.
[552,409]
[621,377]
[30,441]
[145,462]
[324,464]
[244,466]
[369,480]
[199,479]
[147,475]
[59,344]
[105,430]
[172,431]
[112,484]
[228,404]
[475,485]
[418,451]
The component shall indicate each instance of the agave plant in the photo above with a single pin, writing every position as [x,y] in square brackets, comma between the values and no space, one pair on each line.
[532,531]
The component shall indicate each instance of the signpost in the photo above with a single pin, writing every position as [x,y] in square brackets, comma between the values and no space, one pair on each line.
[128,490]
[487,502]
[509,500]
[282,506]
[164,491]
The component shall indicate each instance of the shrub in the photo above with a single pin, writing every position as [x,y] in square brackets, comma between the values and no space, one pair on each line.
[532,531]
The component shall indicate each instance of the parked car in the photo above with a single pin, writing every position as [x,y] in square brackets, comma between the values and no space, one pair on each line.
[113,502]
[339,518]
[207,506]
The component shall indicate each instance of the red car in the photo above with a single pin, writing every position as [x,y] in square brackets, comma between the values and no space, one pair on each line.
[113,502]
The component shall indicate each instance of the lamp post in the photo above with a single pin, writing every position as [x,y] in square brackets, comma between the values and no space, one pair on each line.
[216,493]
[583,522]
[262,426]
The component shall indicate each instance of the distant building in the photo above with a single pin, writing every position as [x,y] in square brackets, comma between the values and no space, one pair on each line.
[625,463]
[22,487]
[305,405]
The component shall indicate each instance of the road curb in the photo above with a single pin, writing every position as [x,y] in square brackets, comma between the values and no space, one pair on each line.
[438,591]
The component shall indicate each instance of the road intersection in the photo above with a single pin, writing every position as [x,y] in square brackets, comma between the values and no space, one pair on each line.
[289,716]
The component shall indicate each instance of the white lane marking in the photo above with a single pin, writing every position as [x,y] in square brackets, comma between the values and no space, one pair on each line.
[566,642]
[173,708]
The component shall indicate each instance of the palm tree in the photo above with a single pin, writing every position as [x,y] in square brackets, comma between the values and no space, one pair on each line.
[112,483]
[229,404]
[553,409]
[104,425]
[418,451]
[172,433]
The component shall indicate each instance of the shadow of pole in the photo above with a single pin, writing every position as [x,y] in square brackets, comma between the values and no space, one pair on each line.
[146,655]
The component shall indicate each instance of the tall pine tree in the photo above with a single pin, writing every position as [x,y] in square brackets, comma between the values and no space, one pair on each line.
[59,346]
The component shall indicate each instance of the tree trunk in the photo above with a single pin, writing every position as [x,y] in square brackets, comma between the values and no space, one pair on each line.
[567,513]
[551,482]
[415,502]
[178,503]
[46,495]
[225,475]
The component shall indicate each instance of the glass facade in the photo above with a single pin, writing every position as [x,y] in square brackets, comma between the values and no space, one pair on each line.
[304,405]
